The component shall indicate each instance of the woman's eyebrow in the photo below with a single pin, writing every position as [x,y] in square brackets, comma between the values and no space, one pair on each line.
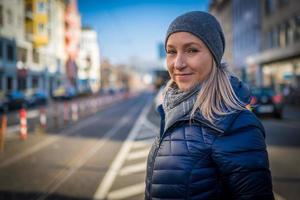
[170,46]
[185,45]
[192,43]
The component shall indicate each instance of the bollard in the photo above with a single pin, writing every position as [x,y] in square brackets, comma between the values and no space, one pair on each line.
[56,115]
[66,113]
[23,124]
[74,110]
[2,131]
[43,118]
[81,110]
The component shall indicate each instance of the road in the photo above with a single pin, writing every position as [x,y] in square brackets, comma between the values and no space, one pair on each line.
[103,156]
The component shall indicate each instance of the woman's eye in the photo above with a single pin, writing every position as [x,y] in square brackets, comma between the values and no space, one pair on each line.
[192,50]
[171,52]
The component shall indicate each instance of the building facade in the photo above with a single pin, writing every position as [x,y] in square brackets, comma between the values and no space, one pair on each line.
[246,33]
[54,51]
[89,61]
[279,61]
[222,10]
[72,39]
[241,23]
[15,50]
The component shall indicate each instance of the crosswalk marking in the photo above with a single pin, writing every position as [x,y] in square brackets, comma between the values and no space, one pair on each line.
[146,135]
[278,197]
[151,126]
[131,169]
[111,174]
[142,143]
[127,192]
[138,154]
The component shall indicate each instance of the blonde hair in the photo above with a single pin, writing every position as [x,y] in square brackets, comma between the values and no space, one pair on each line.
[216,96]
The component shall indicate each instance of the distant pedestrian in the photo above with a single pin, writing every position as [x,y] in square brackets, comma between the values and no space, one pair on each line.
[210,146]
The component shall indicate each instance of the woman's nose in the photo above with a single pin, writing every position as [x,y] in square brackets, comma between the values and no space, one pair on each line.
[179,62]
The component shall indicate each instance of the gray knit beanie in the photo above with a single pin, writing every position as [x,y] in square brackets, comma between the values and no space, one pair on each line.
[204,26]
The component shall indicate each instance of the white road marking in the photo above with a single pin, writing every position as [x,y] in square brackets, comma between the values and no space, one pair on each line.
[47,141]
[127,191]
[151,126]
[111,174]
[131,169]
[61,178]
[142,143]
[146,135]
[138,154]
[278,197]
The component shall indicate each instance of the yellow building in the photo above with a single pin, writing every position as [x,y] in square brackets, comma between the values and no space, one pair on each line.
[36,22]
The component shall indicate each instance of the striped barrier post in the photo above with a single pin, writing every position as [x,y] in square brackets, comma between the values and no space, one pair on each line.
[23,124]
[43,118]
[74,110]
[2,131]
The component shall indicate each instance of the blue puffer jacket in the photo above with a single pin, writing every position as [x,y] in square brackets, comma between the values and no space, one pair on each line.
[202,161]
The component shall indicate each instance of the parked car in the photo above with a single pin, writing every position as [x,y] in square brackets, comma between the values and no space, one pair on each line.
[265,100]
[16,100]
[37,97]
[3,102]
[64,93]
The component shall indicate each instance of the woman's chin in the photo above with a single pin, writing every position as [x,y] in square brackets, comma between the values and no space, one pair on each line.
[184,87]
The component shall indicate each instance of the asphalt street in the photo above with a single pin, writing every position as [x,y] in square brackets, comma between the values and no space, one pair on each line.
[103,156]
[69,164]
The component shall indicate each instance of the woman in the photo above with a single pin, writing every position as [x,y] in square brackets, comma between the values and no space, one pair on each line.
[210,146]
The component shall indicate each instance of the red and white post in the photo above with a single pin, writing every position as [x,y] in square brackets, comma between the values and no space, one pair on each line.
[43,118]
[23,124]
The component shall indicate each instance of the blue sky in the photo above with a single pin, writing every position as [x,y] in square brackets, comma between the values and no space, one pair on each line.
[133,28]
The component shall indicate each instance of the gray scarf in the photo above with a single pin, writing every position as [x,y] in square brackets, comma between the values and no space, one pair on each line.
[178,104]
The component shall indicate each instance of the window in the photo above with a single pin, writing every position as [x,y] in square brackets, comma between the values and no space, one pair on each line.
[270,6]
[272,38]
[29,7]
[282,35]
[41,28]
[10,52]
[9,83]
[35,82]
[35,56]
[41,7]
[290,32]
[1,15]
[22,54]
[275,37]
[297,28]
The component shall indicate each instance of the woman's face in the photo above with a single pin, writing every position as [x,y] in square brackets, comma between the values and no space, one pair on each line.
[189,61]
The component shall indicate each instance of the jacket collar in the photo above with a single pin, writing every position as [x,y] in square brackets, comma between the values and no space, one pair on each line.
[224,123]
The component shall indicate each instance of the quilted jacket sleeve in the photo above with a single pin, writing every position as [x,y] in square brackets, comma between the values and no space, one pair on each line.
[242,161]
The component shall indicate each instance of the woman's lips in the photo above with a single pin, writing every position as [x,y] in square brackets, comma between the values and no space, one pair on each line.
[182,77]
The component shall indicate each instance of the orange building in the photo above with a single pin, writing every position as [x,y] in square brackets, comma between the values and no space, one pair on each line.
[72,39]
